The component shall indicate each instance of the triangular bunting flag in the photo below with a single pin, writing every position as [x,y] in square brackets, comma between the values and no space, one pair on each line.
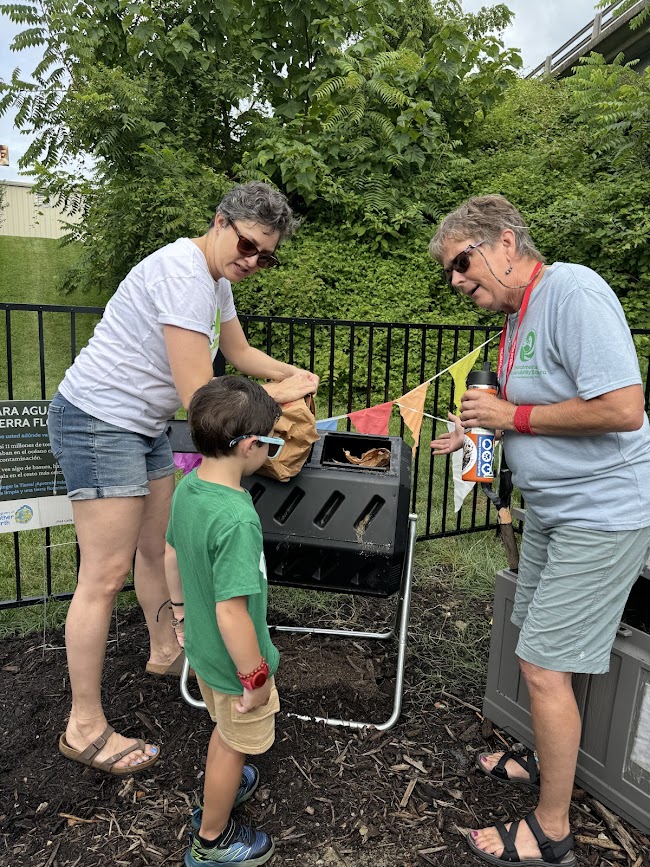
[459,371]
[411,407]
[461,488]
[327,424]
[373,420]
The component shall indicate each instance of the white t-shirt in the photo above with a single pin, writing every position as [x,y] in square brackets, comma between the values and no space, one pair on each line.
[123,376]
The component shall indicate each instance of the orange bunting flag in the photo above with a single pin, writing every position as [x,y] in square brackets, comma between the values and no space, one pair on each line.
[411,407]
[373,420]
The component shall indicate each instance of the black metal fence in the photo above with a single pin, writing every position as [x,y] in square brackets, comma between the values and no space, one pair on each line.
[360,364]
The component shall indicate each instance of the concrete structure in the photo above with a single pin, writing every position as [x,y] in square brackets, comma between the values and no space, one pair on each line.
[608,34]
[25,214]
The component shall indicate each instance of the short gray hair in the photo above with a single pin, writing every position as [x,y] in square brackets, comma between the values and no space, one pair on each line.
[483,218]
[257,202]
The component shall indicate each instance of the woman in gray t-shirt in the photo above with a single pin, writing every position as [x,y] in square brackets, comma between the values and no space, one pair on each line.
[577,439]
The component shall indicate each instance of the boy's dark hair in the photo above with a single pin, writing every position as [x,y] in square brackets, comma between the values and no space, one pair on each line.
[228,407]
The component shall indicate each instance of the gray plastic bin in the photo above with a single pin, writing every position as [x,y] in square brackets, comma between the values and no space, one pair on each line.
[614,757]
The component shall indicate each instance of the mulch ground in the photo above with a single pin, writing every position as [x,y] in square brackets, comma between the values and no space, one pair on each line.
[330,796]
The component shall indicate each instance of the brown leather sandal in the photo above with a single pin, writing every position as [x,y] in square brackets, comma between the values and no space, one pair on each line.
[174,669]
[87,756]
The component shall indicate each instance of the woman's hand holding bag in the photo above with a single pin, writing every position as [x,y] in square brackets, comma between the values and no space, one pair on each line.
[297,427]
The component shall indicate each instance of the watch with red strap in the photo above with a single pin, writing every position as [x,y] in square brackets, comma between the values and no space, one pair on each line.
[257,678]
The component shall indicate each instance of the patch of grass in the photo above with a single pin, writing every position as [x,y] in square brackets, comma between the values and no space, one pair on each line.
[30,273]
[452,618]
[331,610]
[31,270]
[470,562]
[50,616]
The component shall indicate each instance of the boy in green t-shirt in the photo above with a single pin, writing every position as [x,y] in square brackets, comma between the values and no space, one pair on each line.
[215,568]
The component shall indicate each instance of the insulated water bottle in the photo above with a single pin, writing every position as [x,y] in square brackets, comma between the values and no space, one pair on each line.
[478,444]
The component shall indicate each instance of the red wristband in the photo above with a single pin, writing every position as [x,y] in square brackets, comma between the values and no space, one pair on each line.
[255,678]
[522,419]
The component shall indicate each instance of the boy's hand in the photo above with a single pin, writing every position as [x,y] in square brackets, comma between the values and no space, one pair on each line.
[253,698]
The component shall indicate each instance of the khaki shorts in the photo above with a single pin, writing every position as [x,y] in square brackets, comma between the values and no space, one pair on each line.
[572,588]
[252,732]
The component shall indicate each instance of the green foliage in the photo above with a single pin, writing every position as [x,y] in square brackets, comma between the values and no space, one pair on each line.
[325,99]
[613,101]
[543,149]
[166,195]
[379,111]
[403,287]
[625,5]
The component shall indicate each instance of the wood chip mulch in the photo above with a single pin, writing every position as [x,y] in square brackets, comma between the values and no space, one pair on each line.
[331,797]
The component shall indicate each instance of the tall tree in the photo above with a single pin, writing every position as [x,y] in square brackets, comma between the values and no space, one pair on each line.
[356,110]
[382,110]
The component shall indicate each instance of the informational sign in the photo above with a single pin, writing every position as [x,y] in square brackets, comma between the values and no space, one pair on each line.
[32,489]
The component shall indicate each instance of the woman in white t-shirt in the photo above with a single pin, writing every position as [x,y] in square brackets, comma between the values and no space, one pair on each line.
[152,349]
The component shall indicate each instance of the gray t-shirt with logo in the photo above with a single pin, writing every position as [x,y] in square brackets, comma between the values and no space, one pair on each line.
[574,341]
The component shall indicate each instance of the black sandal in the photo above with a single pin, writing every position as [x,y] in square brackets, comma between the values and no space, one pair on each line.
[527,761]
[553,851]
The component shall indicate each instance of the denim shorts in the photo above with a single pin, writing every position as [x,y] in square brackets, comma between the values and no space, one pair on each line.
[101,460]
[572,587]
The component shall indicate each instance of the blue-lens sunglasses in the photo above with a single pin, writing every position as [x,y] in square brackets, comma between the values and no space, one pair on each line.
[274,443]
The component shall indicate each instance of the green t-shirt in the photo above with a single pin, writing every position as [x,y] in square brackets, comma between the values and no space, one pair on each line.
[217,536]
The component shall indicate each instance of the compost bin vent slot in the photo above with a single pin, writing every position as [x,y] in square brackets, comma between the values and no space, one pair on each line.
[283,513]
[369,513]
[256,492]
[330,508]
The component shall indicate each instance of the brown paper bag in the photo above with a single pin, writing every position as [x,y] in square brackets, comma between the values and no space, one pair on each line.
[297,427]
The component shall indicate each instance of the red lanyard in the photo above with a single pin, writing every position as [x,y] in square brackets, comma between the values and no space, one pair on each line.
[513,345]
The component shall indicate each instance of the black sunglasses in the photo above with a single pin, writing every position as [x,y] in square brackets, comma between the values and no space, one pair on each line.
[247,249]
[461,262]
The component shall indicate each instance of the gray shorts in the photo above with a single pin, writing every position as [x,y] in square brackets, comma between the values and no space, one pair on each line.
[571,591]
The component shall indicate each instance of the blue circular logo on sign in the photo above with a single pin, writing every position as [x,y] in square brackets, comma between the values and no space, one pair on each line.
[24,515]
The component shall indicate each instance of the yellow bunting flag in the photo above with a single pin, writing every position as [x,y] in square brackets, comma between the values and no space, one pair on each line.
[411,407]
[459,371]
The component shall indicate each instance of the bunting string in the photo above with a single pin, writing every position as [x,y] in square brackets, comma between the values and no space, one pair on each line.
[425,414]
[446,370]
[375,419]
[412,424]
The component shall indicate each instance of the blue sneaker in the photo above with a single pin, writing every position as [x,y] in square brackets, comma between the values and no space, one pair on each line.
[238,844]
[249,781]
